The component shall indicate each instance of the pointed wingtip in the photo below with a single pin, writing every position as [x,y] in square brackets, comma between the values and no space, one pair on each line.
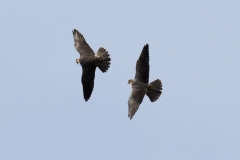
[74,31]
[130,117]
[86,99]
[146,46]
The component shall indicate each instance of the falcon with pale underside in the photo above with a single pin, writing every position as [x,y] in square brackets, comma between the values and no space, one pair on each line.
[140,85]
[89,62]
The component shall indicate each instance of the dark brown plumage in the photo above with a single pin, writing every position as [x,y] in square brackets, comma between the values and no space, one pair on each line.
[140,85]
[89,61]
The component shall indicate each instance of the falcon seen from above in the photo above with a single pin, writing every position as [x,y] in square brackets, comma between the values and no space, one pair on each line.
[140,85]
[89,61]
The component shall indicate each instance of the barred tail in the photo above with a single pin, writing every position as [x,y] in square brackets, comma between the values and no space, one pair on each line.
[103,59]
[154,90]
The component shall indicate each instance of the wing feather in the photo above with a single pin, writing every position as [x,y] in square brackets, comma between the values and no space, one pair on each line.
[135,100]
[80,44]
[88,75]
[142,65]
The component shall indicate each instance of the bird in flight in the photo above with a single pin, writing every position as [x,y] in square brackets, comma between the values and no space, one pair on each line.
[89,61]
[140,85]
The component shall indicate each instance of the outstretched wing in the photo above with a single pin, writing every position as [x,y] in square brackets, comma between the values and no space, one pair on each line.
[80,44]
[88,75]
[135,100]
[142,66]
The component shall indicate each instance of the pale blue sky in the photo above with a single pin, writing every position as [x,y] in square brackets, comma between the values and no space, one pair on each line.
[194,50]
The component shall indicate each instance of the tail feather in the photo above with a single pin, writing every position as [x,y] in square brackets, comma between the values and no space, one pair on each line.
[103,59]
[154,90]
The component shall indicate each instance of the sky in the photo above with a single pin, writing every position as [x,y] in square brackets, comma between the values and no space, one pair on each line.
[194,49]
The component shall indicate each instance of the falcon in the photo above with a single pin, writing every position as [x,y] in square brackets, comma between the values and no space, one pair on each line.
[89,62]
[140,85]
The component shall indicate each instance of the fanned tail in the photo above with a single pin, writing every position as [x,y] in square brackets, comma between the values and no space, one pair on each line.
[154,90]
[103,59]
